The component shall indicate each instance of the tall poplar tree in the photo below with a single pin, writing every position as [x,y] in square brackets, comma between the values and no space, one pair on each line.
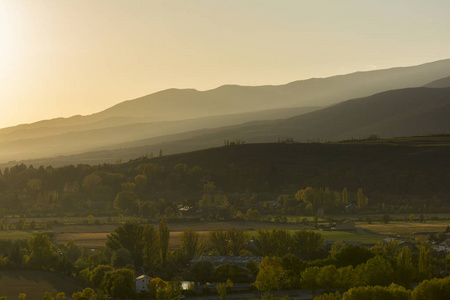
[164,236]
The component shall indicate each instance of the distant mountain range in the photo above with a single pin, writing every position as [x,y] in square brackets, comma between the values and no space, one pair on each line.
[184,120]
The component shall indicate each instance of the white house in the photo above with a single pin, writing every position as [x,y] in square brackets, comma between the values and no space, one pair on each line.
[141,283]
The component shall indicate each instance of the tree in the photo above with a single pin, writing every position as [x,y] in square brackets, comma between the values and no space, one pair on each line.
[202,270]
[434,289]
[275,242]
[126,201]
[222,290]
[237,239]
[22,296]
[424,267]
[411,218]
[386,218]
[327,277]
[190,243]
[61,296]
[405,268]
[307,244]
[130,237]
[48,296]
[271,275]
[97,274]
[351,255]
[393,292]
[378,271]
[174,290]
[151,246]
[309,278]
[41,251]
[219,241]
[164,237]
[119,283]
[121,258]
[155,284]
[344,196]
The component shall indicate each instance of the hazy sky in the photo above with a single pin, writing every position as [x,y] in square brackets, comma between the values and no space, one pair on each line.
[67,57]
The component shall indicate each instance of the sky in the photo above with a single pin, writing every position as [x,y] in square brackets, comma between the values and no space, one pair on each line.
[77,57]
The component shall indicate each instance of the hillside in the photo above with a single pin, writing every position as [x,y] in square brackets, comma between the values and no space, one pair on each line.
[440,83]
[405,112]
[175,111]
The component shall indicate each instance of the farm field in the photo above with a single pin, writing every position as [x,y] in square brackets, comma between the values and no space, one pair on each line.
[95,235]
[35,283]
[405,229]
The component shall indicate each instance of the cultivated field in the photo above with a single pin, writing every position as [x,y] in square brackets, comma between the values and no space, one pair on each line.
[406,229]
[95,235]
[35,283]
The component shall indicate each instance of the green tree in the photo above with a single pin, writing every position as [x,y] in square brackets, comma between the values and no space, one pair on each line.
[126,201]
[61,296]
[202,270]
[351,255]
[22,296]
[97,274]
[219,241]
[222,290]
[393,292]
[130,237]
[309,278]
[434,289]
[344,196]
[378,271]
[121,258]
[155,284]
[41,251]
[119,283]
[327,277]
[424,268]
[307,244]
[151,247]
[271,275]
[190,243]
[47,296]
[237,240]
[405,268]
[164,237]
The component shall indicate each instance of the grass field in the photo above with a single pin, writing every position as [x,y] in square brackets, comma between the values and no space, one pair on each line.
[35,283]
[405,228]
[95,235]
[16,234]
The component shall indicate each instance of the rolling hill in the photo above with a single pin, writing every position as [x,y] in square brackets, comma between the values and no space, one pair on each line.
[164,115]
[404,112]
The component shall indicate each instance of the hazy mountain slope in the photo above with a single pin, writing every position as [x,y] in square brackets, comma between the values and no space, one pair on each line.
[175,104]
[440,83]
[311,92]
[103,134]
[405,112]
[146,117]
[402,112]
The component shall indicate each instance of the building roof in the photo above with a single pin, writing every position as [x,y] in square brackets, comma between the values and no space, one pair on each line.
[143,277]
[225,259]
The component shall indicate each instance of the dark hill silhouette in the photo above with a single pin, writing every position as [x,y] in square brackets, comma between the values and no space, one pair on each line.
[440,83]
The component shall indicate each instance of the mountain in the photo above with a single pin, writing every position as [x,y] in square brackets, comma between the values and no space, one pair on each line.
[440,83]
[403,112]
[104,135]
[174,111]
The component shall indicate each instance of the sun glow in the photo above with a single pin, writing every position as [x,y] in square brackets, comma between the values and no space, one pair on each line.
[7,42]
